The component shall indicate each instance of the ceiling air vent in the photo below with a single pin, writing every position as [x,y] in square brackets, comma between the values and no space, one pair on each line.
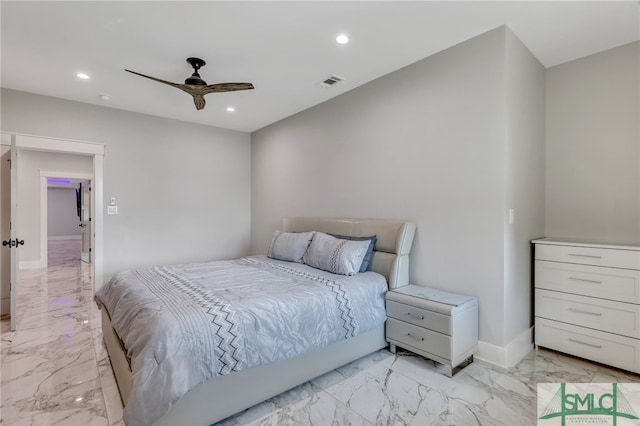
[330,81]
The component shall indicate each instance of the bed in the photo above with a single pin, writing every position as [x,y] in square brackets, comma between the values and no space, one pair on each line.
[230,393]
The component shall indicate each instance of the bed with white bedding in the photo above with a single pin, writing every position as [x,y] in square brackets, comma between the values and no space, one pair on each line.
[206,340]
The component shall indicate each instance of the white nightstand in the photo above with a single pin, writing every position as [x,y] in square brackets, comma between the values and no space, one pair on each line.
[436,324]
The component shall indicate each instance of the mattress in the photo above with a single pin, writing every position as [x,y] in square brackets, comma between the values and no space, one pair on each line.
[186,324]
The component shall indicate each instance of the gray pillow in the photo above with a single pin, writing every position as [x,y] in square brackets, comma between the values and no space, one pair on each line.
[368,257]
[289,246]
[331,254]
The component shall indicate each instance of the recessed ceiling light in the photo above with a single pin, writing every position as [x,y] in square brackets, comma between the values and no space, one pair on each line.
[342,39]
[82,76]
[230,109]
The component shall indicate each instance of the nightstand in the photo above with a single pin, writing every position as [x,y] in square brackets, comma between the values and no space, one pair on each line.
[436,324]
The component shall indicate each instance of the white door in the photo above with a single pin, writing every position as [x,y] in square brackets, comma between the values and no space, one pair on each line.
[5,228]
[10,241]
[85,220]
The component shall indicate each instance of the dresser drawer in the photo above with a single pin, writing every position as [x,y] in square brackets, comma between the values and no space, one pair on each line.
[420,338]
[615,258]
[420,317]
[604,315]
[610,349]
[607,283]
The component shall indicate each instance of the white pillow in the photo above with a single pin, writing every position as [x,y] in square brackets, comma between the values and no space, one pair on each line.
[289,246]
[331,254]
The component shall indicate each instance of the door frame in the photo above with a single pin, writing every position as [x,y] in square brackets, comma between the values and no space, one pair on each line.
[94,149]
[86,237]
[44,211]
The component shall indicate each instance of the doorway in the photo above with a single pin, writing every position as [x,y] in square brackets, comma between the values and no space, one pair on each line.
[21,143]
[68,232]
[80,221]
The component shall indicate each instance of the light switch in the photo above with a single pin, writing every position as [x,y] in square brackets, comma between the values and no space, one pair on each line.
[113,201]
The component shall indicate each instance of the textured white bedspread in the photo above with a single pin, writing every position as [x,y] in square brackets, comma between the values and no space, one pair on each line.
[185,324]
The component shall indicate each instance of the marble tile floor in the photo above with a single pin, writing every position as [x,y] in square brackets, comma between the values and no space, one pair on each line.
[55,370]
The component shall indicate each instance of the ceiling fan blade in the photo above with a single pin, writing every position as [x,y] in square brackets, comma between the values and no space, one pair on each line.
[228,87]
[199,101]
[155,79]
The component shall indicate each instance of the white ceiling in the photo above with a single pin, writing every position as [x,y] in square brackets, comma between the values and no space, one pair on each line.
[283,48]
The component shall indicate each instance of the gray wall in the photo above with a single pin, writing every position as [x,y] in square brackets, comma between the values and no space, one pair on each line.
[62,213]
[593,147]
[524,179]
[426,143]
[183,190]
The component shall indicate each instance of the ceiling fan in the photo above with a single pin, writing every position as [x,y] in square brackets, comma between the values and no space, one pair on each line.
[197,87]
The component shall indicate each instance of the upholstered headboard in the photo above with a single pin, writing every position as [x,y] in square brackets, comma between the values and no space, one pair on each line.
[393,245]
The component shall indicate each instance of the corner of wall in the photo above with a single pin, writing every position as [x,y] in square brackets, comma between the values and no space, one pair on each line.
[505,358]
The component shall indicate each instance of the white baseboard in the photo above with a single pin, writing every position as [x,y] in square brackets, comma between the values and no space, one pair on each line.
[30,264]
[64,237]
[505,358]
[5,306]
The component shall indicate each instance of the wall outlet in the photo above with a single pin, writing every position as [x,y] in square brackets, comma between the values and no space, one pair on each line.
[111,210]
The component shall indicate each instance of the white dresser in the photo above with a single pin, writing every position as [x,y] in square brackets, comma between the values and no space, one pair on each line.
[587,300]
[436,324]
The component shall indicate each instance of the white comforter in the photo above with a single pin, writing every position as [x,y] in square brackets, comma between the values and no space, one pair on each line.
[185,324]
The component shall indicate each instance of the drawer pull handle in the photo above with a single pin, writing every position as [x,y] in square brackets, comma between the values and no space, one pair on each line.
[419,339]
[584,280]
[410,314]
[580,311]
[585,255]
[585,343]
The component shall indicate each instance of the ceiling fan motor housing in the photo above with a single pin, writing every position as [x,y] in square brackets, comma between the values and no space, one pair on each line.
[195,79]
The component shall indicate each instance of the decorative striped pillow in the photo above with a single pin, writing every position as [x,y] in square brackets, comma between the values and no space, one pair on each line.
[335,255]
[289,246]
[368,257]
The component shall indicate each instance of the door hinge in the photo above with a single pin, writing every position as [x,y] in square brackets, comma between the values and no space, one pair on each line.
[89,219]
[89,249]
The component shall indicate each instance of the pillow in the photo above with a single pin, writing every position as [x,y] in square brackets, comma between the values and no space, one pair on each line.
[331,254]
[289,246]
[366,262]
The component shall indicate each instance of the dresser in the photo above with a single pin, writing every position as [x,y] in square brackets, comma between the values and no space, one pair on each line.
[587,300]
[433,323]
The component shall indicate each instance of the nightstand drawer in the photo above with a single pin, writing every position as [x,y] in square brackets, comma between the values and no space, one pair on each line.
[420,317]
[607,348]
[604,315]
[628,259]
[420,338]
[595,281]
